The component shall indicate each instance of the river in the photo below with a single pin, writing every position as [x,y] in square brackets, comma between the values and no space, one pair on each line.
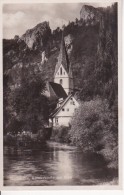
[55,164]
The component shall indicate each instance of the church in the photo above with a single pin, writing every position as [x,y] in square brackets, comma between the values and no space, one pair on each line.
[61,91]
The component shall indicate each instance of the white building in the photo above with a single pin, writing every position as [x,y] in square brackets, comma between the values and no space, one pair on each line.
[62,115]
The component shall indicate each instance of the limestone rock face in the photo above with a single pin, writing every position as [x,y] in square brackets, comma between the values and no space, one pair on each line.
[44,58]
[69,43]
[37,37]
[90,15]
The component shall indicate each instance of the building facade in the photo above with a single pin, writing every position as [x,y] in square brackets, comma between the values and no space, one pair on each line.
[63,76]
[64,112]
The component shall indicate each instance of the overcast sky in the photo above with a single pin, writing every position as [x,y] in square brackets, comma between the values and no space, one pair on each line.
[17,18]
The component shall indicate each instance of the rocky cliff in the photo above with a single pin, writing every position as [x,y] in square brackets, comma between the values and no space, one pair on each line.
[40,46]
[90,15]
[38,36]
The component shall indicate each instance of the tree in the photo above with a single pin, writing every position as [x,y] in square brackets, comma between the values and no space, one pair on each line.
[76,20]
[27,105]
[94,129]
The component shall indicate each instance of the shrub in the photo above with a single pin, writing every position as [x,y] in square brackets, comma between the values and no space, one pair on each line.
[24,140]
[60,134]
[94,129]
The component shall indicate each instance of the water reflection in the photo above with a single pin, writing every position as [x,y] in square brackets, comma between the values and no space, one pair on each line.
[64,166]
[55,164]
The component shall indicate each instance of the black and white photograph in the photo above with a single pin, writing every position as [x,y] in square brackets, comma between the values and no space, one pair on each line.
[60,94]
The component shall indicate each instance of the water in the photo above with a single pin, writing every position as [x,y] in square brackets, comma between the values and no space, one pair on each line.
[55,164]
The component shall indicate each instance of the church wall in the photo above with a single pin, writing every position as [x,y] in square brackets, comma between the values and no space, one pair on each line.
[71,84]
[62,78]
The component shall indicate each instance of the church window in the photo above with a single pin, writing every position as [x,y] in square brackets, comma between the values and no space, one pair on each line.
[67,109]
[63,109]
[61,82]
[58,73]
[61,71]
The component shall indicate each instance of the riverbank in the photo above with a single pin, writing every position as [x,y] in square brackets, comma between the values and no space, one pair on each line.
[25,140]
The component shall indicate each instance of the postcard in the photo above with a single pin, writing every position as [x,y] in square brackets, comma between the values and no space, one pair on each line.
[61,120]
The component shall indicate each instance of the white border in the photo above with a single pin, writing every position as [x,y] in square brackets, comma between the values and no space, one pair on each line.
[8,188]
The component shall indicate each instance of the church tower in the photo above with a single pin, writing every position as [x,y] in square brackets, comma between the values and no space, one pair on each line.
[63,71]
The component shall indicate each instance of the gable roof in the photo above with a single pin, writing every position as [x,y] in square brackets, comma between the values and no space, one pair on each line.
[54,91]
[63,57]
[58,90]
[58,109]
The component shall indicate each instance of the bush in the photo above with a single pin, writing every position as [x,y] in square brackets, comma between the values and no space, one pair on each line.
[94,129]
[9,140]
[60,134]
[24,140]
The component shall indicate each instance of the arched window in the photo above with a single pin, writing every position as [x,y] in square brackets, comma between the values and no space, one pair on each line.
[61,81]
[61,71]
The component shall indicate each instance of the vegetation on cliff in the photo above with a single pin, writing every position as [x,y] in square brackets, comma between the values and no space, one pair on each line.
[95,124]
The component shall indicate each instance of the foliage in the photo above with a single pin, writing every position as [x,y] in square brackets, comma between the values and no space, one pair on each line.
[94,129]
[100,73]
[24,140]
[26,104]
[60,134]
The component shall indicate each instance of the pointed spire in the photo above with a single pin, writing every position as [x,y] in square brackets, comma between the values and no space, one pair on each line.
[63,57]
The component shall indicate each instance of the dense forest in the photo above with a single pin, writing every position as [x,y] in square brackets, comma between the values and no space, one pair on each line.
[93,53]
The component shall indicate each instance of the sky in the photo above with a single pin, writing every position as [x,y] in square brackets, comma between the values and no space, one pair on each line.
[17,18]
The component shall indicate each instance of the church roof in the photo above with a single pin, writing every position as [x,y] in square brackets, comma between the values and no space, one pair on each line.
[63,57]
[54,91]
[58,90]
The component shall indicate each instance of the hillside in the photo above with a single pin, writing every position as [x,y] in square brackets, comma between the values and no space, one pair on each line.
[88,42]
[28,51]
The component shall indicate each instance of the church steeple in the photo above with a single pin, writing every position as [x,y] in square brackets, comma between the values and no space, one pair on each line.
[63,57]
[63,72]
